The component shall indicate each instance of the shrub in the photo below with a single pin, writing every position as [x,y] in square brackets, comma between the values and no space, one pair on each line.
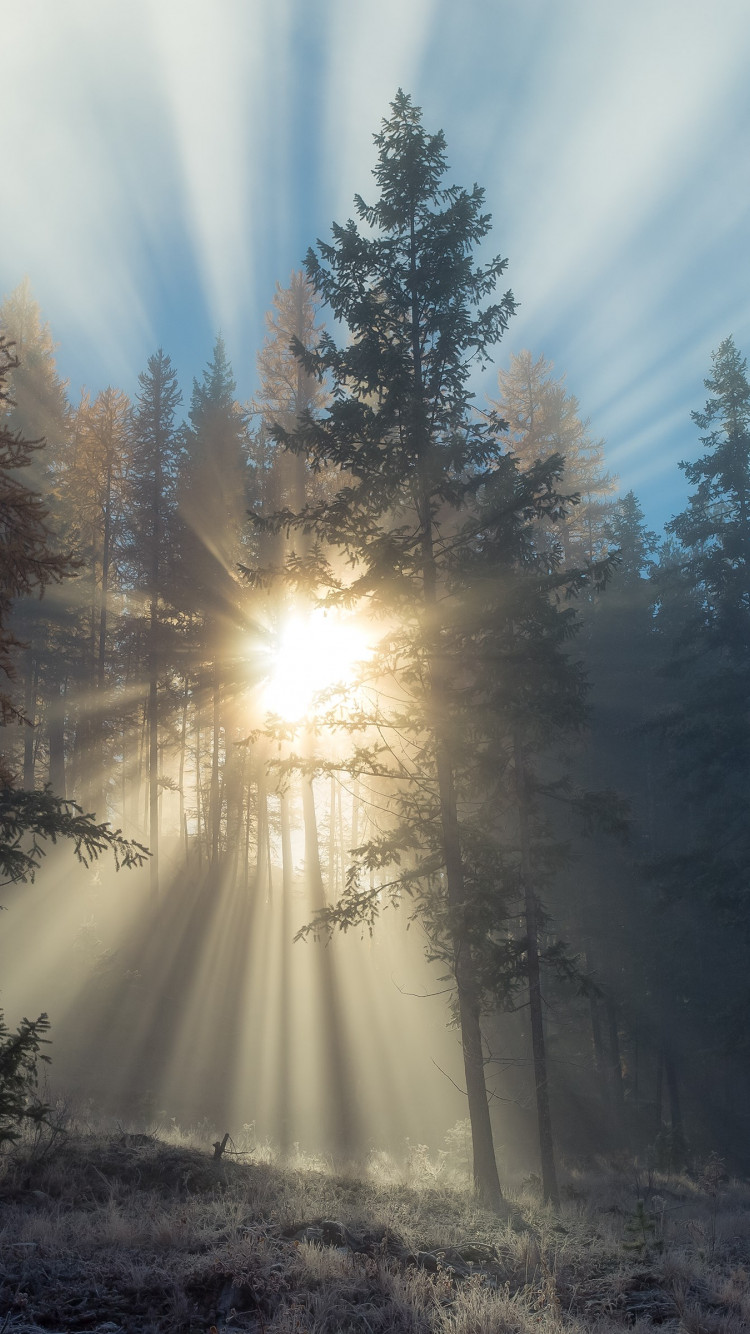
[20,1053]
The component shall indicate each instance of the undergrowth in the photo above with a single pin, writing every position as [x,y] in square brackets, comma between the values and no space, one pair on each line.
[150,1233]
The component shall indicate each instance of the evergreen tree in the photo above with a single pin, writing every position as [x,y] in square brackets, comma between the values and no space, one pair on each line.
[93,491]
[39,409]
[154,473]
[712,653]
[621,661]
[705,610]
[426,486]
[213,504]
[28,564]
[31,820]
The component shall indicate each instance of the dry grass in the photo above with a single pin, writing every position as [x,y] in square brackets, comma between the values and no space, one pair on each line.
[111,1233]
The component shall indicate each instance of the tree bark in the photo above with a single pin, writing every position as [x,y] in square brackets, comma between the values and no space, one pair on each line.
[153,760]
[313,873]
[181,772]
[486,1179]
[285,1014]
[200,814]
[29,708]
[615,1065]
[56,735]
[538,1046]
[673,1093]
[332,844]
[215,804]
[262,868]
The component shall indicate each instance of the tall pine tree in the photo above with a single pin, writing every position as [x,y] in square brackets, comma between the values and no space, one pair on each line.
[425,484]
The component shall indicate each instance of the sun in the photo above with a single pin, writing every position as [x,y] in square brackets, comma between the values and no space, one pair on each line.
[313,651]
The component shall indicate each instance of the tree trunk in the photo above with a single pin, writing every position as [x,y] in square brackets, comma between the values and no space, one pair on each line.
[198,802]
[246,868]
[215,804]
[181,773]
[262,866]
[56,736]
[285,1015]
[486,1180]
[538,1046]
[153,676]
[355,811]
[153,759]
[597,1044]
[615,1065]
[332,844]
[313,873]
[673,1093]
[29,708]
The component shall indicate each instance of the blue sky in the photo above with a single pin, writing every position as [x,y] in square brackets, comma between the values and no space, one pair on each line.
[166,162]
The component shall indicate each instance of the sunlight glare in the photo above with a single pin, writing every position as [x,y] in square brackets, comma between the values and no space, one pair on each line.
[314,651]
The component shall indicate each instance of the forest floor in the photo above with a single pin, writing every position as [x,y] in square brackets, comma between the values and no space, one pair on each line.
[148,1233]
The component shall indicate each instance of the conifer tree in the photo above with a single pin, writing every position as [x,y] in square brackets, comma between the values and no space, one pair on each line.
[287,392]
[213,504]
[426,485]
[153,479]
[39,410]
[544,419]
[28,564]
[705,597]
[31,820]
[93,489]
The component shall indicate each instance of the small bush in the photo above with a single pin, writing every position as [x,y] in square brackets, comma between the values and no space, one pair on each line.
[19,1054]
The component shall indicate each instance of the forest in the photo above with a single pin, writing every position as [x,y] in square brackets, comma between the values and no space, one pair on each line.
[415,747]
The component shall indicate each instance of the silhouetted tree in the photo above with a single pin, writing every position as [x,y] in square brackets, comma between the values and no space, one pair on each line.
[213,503]
[28,563]
[426,486]
[156,452]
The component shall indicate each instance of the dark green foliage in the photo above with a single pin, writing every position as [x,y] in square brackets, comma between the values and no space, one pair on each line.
[709,580]
[28,561]
[29,821]
[19,1054]
[157,452]
[435,531]
[641,1231]
[213,484]
[634,544]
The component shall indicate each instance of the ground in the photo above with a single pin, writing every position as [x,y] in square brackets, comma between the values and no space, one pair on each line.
[110,1232]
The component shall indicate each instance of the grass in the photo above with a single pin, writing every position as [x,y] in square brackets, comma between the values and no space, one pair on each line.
[115,1232]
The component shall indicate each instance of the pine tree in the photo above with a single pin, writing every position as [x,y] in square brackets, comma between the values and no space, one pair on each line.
[28,564]
[153,480]
[93,491]
[427,491]
[287,393]
[712,655]
[30,820]
[27,561]
[621,661]
[705,607]
[39,410]
[213,504]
